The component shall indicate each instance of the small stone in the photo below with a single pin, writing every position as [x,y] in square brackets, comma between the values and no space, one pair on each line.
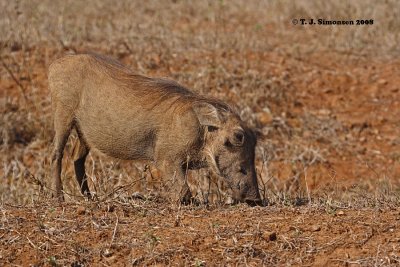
[382,82]
[270,236]
[316,228]
[81,211]
[324,112]
[107,253]
[340,212]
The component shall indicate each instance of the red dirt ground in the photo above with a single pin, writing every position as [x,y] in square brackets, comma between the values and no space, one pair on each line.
[156,234]
[363,97]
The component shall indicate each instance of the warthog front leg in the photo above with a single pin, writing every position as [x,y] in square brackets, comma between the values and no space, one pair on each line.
[174,183]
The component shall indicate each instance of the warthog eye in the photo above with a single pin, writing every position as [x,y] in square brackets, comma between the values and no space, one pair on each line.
[238,138]
[211,128]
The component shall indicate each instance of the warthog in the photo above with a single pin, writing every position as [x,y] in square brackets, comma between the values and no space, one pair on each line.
[130,116]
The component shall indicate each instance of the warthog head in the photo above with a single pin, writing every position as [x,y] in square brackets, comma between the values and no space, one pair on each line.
[229,149]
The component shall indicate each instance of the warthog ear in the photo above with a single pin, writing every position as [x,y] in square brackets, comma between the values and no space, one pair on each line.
[207,114]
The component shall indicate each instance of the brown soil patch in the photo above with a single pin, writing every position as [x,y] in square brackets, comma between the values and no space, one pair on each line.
[156,234]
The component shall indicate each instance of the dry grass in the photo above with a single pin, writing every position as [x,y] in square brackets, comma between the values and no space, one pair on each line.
[208,47]
[324,98]
[212,25]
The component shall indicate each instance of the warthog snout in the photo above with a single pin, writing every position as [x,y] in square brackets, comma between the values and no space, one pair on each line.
[246,192]
[246,189]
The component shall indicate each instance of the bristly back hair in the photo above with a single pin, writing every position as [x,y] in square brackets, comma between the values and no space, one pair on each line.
[156,90]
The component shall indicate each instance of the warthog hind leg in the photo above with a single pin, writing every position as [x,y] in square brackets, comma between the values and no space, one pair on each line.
[80,153]
[62,125]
